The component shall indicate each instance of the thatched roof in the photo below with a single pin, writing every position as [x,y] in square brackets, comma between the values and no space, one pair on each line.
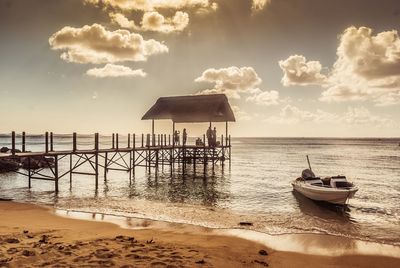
[192,109]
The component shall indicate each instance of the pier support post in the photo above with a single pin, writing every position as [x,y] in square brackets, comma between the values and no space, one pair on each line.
[23,141]
[204,157]
[194,160]
[105,166]
[96,158]
[51,142]
[74,142]
[13,142]
[70,171]
[134,156]
[230,150]
[213,160]
[116,141]
[113,140]
[46,137]
[29,172]
[129,140]
[56,172]
[156,152]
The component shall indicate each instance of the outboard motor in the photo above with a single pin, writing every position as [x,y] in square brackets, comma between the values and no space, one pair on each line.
[307,174]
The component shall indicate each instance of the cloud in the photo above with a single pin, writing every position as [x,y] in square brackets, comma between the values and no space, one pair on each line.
[266,98]
[367,55]
[123,21]
[298,71]
[290,114]
[95,44]
[258,5]
[367,68]
[231,81]
[235,82]
[112,70]
[154,21]
[151,5]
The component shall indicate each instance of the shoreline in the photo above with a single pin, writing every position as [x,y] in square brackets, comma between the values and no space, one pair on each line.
[211,248]
[300,242]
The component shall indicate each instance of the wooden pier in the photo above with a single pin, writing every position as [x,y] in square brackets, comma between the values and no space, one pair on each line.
[145,151]
[150,151]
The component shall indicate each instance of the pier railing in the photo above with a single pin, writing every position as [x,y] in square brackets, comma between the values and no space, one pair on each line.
[50,142]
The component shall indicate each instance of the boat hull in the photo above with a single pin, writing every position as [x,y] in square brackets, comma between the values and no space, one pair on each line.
[331,195]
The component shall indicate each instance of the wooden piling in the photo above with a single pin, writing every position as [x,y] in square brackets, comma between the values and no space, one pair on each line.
[142,139]
[113,141]
[51,142]
[23,141]
[56,172]
[70,171]
[74,142]
[96,158]
[46,137]
[129,140]
[116,141]
[13,142]
[133,152]
[29,173]
[105,166]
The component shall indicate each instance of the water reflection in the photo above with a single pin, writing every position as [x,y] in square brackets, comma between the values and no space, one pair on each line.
[187,188]
[323,210]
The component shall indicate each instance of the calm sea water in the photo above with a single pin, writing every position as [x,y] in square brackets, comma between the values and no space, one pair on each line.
[256,188]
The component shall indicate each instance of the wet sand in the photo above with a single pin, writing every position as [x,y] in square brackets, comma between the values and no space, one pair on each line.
[34,236]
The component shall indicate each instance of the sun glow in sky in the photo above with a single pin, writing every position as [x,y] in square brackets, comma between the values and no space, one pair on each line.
[288,67]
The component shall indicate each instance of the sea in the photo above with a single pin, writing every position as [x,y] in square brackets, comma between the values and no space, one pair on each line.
[255,187]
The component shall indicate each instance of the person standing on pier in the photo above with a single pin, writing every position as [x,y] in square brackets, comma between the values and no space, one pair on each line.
[209,136]
[176,137]
[214,137]
[184,137]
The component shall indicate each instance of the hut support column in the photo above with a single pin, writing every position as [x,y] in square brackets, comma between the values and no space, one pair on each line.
[152,133]
[226,133]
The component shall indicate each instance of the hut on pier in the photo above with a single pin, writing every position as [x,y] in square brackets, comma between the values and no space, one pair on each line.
[191,109]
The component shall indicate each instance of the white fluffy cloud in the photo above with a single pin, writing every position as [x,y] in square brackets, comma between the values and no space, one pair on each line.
[151,5]
[258,5]
[112,70]
[367,68]
[290,114]
[231,81]
[236,81]
[95,44]
[298,71]
[154,21]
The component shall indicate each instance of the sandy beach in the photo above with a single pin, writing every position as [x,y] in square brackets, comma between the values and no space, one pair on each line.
[33,236]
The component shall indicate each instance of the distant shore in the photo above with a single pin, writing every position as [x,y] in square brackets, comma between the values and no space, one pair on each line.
[35,235]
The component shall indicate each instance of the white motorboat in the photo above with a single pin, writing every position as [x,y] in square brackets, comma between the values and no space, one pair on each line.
[336,189]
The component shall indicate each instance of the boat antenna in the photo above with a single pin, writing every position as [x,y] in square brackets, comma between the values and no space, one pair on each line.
[308,161]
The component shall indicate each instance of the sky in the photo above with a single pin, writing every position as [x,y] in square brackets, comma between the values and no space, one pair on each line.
[302,68]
